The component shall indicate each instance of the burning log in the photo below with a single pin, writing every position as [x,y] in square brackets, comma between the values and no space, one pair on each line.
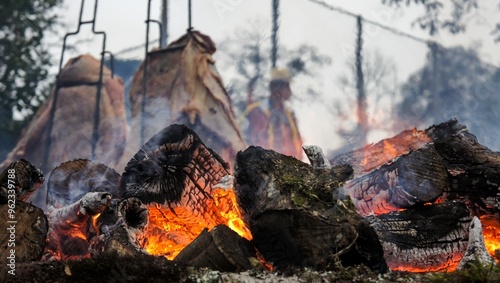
[71,180]
[372,156]
[179,178]
[183,86]
[174,168]
[23,232]
[415,178]
[120,227]
[72,226]
[76,102]
[476,249]
[23,178]
[293,217]
[424,239]
[472,170]
[220,249]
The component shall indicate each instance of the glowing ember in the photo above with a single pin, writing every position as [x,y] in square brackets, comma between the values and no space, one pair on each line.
[389,150]
[491,233]
[171,229]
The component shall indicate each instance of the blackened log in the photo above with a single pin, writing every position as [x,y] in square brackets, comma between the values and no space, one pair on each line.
[220,249]
[294,218]
[22,236]
[120,226]
[474,169]
[428,238]
[25,178]
[412,179]
[71,180]
[174,168]
[372,156]
[71,227]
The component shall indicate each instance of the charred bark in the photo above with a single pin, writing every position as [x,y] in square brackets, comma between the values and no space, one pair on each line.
[120,226]
[372,156]
[412,179]
[424,239]
[22,178]
[71,180]
[220,249]
[71,227]
[295,220]
[23,231]
[174,168]
[474,169]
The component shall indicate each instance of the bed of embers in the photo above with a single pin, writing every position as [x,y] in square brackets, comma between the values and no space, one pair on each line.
[422,206]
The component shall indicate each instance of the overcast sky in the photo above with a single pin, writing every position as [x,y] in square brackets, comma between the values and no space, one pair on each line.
[301,21]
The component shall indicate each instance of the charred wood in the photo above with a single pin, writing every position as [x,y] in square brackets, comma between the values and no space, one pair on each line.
[424,239]
[23,233]
[71,227]
[120,227]
[372,156]
[220,249]
[295,220]
[473,168]
[412,179]
[71,180]
[25,178]
[174,168]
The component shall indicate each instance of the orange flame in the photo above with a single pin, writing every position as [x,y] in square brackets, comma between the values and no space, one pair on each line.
[491,234]
[389,150]
[171,229]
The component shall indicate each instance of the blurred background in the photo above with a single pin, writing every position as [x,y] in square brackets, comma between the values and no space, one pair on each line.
[361,70]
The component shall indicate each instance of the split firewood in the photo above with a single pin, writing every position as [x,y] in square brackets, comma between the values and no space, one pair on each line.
[120,227]
[220,249]
[424,239]
[472,170]
[72,129]
[293,217]
[179,179]
[372,156]
[22,179]
[184,87]
[72,226]
[174,168]
[23,234]
[71,180]
[415,178]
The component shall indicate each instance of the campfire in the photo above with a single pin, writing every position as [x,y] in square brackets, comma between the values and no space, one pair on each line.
[421,201]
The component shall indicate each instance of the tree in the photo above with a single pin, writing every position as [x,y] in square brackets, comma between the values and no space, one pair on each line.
[454,83]
[435,17]
[24,62]
[381,87]
[246,55]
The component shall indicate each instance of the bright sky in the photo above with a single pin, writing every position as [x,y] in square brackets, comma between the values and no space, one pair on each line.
[302,21]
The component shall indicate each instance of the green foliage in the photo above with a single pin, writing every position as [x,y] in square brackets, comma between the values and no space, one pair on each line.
[475,272]
[436,17]
[24,60]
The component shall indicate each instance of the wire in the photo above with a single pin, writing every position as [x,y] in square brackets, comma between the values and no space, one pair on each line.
[387,28]
[390,29]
